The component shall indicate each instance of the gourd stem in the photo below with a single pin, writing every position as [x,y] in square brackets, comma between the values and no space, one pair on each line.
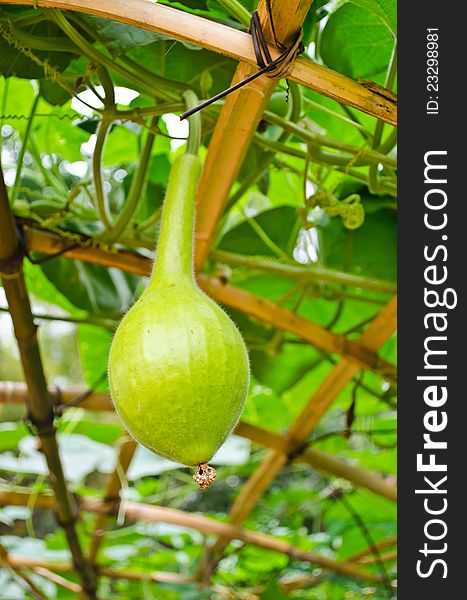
[174,258]
[194,136]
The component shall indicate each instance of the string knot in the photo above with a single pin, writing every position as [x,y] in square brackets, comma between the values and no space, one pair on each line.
[281,67]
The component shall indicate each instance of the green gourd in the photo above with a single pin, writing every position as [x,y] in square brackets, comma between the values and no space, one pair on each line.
[178,366]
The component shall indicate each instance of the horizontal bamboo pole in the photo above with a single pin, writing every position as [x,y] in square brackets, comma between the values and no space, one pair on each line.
[318,460]
[145,512]
[372,560]
[66,567]
[381,545]
[229,42]
[259,308]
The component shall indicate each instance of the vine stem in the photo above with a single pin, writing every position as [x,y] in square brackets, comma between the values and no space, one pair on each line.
[22,152]
[194,136]
[237,10]
[136,190]
[101,205]
[370,155]
[153,87]
[373,177]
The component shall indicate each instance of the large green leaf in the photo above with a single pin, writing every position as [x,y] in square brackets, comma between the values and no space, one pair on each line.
[17,58]
[99,291]
[94,346]
[356,42]
[369,250]
[287,367]
[386,10]
[119,37]
[279,224]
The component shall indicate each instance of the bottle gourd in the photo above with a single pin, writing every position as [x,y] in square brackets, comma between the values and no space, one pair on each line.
[178,366]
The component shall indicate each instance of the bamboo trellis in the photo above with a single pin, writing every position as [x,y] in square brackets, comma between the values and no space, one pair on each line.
[233,133]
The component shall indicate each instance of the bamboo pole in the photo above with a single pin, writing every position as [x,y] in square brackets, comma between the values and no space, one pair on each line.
[318,460]
[254,306]
[40,411]
[228,42]
[377,333]
[145,512]
[47,242]
[236,126]
[381,545]
[372,560]
[18,571]
[61,581]
[38,564]
[111,494]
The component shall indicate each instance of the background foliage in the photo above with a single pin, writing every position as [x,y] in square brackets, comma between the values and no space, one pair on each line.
[313,199]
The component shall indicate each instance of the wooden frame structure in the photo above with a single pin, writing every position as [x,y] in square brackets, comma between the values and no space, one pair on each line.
[233,133]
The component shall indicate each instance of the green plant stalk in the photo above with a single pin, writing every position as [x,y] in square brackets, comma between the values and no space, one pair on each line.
[389,142]
[174,260]
[371,156]
[236,10]
[336,115]
[373,176]
[264,236]
[22,152]
[135,193]
[28,17]
[134,114]
[100,200]
[107,84]
[48,176]
[292,270]
[296,98]
[104,323]
[337,161]
[50,44]
[153,88]
[194,136]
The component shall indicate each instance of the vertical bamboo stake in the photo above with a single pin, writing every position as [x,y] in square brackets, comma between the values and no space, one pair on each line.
[237,124]
[39,405]
[126,452]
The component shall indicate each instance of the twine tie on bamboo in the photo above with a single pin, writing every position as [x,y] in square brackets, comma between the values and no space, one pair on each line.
[275,69]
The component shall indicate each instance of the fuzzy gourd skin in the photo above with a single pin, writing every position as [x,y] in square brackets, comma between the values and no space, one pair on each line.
[178,366]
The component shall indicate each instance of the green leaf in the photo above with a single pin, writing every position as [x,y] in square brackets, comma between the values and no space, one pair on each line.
[386,10]
[347,250]
[356,43]
[99,291]
[94,347]
[185,65]
[18,59]
[280,225]
[53,93]
[119,37]
[273,592]
[282,371]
